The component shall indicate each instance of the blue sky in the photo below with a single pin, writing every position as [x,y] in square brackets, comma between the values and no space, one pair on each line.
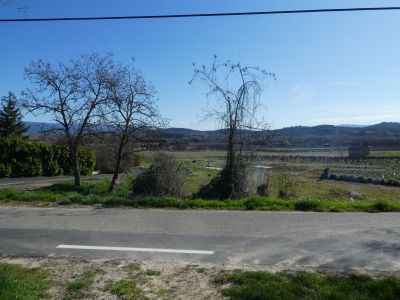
[341,68]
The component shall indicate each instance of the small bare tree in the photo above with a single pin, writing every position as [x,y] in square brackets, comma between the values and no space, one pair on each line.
[131,117]
[70,93]
[237,91]
[25,9]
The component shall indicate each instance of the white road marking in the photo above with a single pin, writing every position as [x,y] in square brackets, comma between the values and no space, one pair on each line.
[159,250]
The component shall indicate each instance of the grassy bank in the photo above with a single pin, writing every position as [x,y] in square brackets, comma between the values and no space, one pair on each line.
[68,278]
[303,285]
[17,282]
[94,192]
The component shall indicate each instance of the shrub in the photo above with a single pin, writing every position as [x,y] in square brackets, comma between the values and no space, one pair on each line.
[5,171]
[61,155]
[260,182]
[286,186]
[87,161]
[23,158]
[263,190]
[52,168]
[86,158]
[165,177]
[50,165]
[365,180]
[226,185]
[138,160]
[382,206]
[307,205]
[253,203]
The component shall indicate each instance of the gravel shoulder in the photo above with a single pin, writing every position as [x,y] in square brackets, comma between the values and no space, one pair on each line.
[156,280]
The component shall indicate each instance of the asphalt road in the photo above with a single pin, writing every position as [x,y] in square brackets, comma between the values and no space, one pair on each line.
[280,239]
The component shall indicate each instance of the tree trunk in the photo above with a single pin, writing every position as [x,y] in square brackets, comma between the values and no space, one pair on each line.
[75,165]
[117,167]
[230,162]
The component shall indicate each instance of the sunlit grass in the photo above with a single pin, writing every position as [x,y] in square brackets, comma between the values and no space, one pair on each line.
[303,285]
[17,282]
[311,195]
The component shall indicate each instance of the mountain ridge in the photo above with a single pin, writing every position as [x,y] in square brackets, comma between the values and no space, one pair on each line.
[385,134]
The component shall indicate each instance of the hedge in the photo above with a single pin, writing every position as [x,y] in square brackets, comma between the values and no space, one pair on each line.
[362,179]
[23,158]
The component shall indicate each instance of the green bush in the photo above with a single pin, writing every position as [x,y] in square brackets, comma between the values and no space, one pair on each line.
[365,180]
[383,206]
[307,205]
[50,165]
[23,158]
[87,161]
[165,177]
[253,203]
[5,171]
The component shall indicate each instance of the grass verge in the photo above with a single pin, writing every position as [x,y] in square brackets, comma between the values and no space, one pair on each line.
[75,289]
[268,204]
[303,285]
[94,192]
[17,282]
[126,289]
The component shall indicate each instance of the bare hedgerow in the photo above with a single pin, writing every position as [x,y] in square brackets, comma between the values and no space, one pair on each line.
[165,177]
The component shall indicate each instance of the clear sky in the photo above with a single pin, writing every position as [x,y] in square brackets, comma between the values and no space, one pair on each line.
[338,68]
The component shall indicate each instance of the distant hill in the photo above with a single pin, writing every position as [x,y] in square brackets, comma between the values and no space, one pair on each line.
[379,135]
[352,125]
[38,127]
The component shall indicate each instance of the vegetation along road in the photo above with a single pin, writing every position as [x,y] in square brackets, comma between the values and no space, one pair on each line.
[34,182]
[277,239]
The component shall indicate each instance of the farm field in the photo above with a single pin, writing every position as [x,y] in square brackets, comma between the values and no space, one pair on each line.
[306,170]
[303,176]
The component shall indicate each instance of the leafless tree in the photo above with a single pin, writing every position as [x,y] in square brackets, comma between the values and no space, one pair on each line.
[131,117]
[25,9]
[70,93]
[237,91]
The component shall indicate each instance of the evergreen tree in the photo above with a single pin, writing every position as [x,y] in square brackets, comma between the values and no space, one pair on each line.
[11,118]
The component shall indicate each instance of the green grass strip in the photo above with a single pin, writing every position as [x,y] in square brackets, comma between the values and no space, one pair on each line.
[17,282]
[304,285]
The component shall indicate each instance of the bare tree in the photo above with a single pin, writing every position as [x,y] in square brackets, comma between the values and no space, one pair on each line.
[70,93]
[131,117]
[25,9]
[237,91]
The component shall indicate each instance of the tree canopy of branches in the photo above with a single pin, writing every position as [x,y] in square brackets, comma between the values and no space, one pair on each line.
[13,5]
[70,93]
[131,116]
[236,90]
[11,123]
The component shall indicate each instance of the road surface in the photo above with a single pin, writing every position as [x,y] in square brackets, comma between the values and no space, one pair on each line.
[280,239]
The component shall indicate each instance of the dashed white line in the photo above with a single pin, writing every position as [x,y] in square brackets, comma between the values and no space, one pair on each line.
[158,250]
